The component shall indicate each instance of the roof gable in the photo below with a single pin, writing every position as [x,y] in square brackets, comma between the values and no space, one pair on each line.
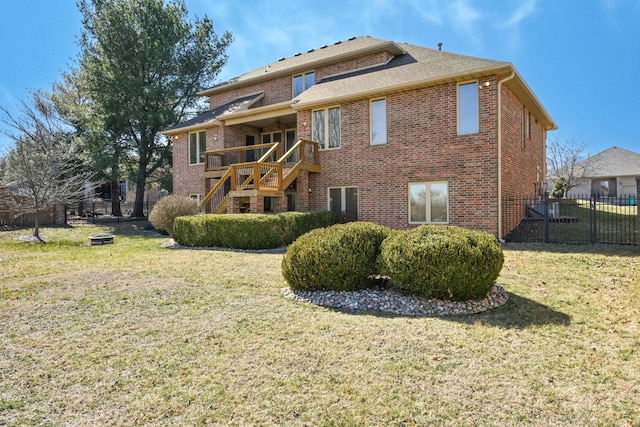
[339,51]
[613,162]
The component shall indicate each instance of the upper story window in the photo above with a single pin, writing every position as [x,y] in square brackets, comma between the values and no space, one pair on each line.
[326,127]
[378,121]
[197,147]
[302,82]
[468,116]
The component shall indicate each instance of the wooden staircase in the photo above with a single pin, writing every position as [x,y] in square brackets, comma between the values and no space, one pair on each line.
[266,176]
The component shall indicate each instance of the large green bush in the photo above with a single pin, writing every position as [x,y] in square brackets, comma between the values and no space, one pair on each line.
[444,262]
[247,231]
[339,258]
[168,208]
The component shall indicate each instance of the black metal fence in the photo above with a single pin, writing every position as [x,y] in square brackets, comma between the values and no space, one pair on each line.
[97,209]
[579,219]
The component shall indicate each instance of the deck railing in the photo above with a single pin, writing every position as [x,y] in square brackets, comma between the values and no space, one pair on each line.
[221,159]
[265,174]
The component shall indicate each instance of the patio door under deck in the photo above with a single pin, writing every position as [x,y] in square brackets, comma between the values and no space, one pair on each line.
[250,154]
[289,141]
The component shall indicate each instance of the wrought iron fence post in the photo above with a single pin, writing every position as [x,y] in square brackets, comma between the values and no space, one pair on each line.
[546,217]
[592,218]
[637,204]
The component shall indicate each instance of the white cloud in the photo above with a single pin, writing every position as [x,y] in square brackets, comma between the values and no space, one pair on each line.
[463,17]
[429,11]
[524,10]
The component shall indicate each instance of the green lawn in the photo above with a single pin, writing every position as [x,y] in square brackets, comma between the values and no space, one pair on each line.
[134,334]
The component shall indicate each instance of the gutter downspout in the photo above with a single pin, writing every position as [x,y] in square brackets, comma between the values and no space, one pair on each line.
[512,75]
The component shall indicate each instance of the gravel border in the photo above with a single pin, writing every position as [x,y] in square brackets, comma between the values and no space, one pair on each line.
[379,299]
[390,301]
[171,244]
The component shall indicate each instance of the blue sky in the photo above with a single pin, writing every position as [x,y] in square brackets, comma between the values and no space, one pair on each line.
[579,57]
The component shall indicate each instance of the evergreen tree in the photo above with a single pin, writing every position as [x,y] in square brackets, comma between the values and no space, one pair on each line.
[142,63]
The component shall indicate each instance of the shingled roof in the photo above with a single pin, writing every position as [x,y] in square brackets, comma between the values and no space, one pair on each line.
[411,67]
[339,51]
[614,162]
[416,67]
[211,116]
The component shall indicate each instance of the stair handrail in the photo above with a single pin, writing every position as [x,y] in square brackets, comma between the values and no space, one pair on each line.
[276,167]
[216,187]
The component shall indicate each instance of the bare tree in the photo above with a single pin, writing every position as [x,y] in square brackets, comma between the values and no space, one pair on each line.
[40,168]
[567,162]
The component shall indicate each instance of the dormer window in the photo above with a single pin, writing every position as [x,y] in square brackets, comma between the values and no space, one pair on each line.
[302,82]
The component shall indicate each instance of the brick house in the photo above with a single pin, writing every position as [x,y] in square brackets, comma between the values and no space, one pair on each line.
[389,132]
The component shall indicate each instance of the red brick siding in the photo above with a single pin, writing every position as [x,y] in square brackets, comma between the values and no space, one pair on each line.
[523,157]
[280,88]
[353,64]
[188,179]
[422,146]
[275,91]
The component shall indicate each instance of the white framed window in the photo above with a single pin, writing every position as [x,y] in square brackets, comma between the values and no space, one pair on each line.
[343,200]
[378,120]
[468,112]
[197,147]
[429,202]
[269,137]
[326,127]
[302,82]
[196,197]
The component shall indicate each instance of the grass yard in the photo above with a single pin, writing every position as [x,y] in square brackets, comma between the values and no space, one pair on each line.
[134,334]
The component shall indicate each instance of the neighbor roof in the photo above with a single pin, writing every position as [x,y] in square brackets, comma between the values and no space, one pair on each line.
[613,162]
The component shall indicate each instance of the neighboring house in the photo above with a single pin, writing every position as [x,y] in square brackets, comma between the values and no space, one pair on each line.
[403,135]
[610,173]
[8,217]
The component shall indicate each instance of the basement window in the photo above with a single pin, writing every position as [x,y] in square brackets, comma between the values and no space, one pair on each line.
[344,201]
[429,203]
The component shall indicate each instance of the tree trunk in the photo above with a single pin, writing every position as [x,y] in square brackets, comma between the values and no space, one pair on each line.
[141,181]
[36,227]
[115,198]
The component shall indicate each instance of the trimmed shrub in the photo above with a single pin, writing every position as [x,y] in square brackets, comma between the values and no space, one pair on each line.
[247,231]
[168,208]
[337,258]
[445,262]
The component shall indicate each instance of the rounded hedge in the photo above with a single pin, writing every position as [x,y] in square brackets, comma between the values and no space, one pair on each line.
[168,208]
[247,231]
[337,258]
[444,262]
